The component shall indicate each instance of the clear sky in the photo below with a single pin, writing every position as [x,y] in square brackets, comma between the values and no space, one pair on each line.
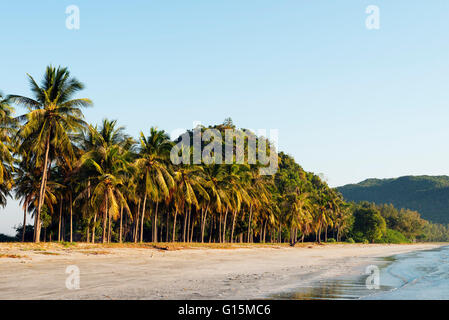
[348,102]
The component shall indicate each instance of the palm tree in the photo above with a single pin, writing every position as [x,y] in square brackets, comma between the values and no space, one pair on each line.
[7,127]
[299,214]
[259,196]
[106,167]
[189,188]
[107,196]
[217,186]
[52,116]
[153,167]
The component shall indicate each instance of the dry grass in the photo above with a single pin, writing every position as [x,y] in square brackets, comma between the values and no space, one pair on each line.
[51,248]
[11,256]
[48,253]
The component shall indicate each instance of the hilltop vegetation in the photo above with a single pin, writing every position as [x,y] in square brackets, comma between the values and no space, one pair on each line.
[429,195]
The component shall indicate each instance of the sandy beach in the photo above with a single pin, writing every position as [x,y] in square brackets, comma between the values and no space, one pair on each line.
[144,272]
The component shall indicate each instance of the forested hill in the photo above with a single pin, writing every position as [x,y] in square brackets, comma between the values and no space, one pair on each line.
[429,195]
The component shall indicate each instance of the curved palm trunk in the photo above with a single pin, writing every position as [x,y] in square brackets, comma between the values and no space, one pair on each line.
[42,192]
[143,216]
[24,220]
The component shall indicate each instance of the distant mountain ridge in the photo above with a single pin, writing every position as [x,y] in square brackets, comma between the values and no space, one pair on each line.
[429,195]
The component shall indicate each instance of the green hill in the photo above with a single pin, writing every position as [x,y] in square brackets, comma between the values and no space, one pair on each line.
[429,195]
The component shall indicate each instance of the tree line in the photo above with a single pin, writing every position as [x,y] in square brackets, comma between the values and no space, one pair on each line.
[96,183]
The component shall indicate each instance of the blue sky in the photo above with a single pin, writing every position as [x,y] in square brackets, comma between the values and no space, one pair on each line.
[348,102]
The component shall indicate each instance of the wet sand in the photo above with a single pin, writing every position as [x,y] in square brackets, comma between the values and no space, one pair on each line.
[240,272]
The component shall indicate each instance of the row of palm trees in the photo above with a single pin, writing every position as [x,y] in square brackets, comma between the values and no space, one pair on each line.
[96,183]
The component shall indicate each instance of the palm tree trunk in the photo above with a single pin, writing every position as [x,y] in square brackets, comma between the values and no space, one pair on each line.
[166,225]
[319,234]
[211,227]
[233,225]
[203,224]
[42,192]
[24,220]
[109,226]
[193,226]
[143,216]
[249,220]
[121,223]
[264,230]
[71,218]
[105,215]
[93,227]
[136,230]
[184,227]
[224,225]
[60,217]
[155,222]
[174,225]
[219,229]
[188,224]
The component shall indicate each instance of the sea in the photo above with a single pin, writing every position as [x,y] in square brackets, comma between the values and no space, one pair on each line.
[419,275]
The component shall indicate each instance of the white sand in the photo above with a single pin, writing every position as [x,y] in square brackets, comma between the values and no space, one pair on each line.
[135,273]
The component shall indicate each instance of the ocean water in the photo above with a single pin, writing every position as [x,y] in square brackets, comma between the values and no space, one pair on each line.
[418,275]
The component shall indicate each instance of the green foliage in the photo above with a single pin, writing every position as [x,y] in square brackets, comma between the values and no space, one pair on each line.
[29,231]
[368,223]
[393,236]
[5,238]
[350,240]
[427,194]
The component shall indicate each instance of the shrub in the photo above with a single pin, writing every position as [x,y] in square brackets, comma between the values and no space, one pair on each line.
[393,236]
[350,240]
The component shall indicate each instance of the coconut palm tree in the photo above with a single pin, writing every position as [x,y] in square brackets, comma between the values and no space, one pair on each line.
[7,128]
[190,187]
[52,115]
[106,166]
[152,164]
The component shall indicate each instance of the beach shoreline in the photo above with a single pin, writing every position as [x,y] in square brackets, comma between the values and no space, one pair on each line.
[168,271]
